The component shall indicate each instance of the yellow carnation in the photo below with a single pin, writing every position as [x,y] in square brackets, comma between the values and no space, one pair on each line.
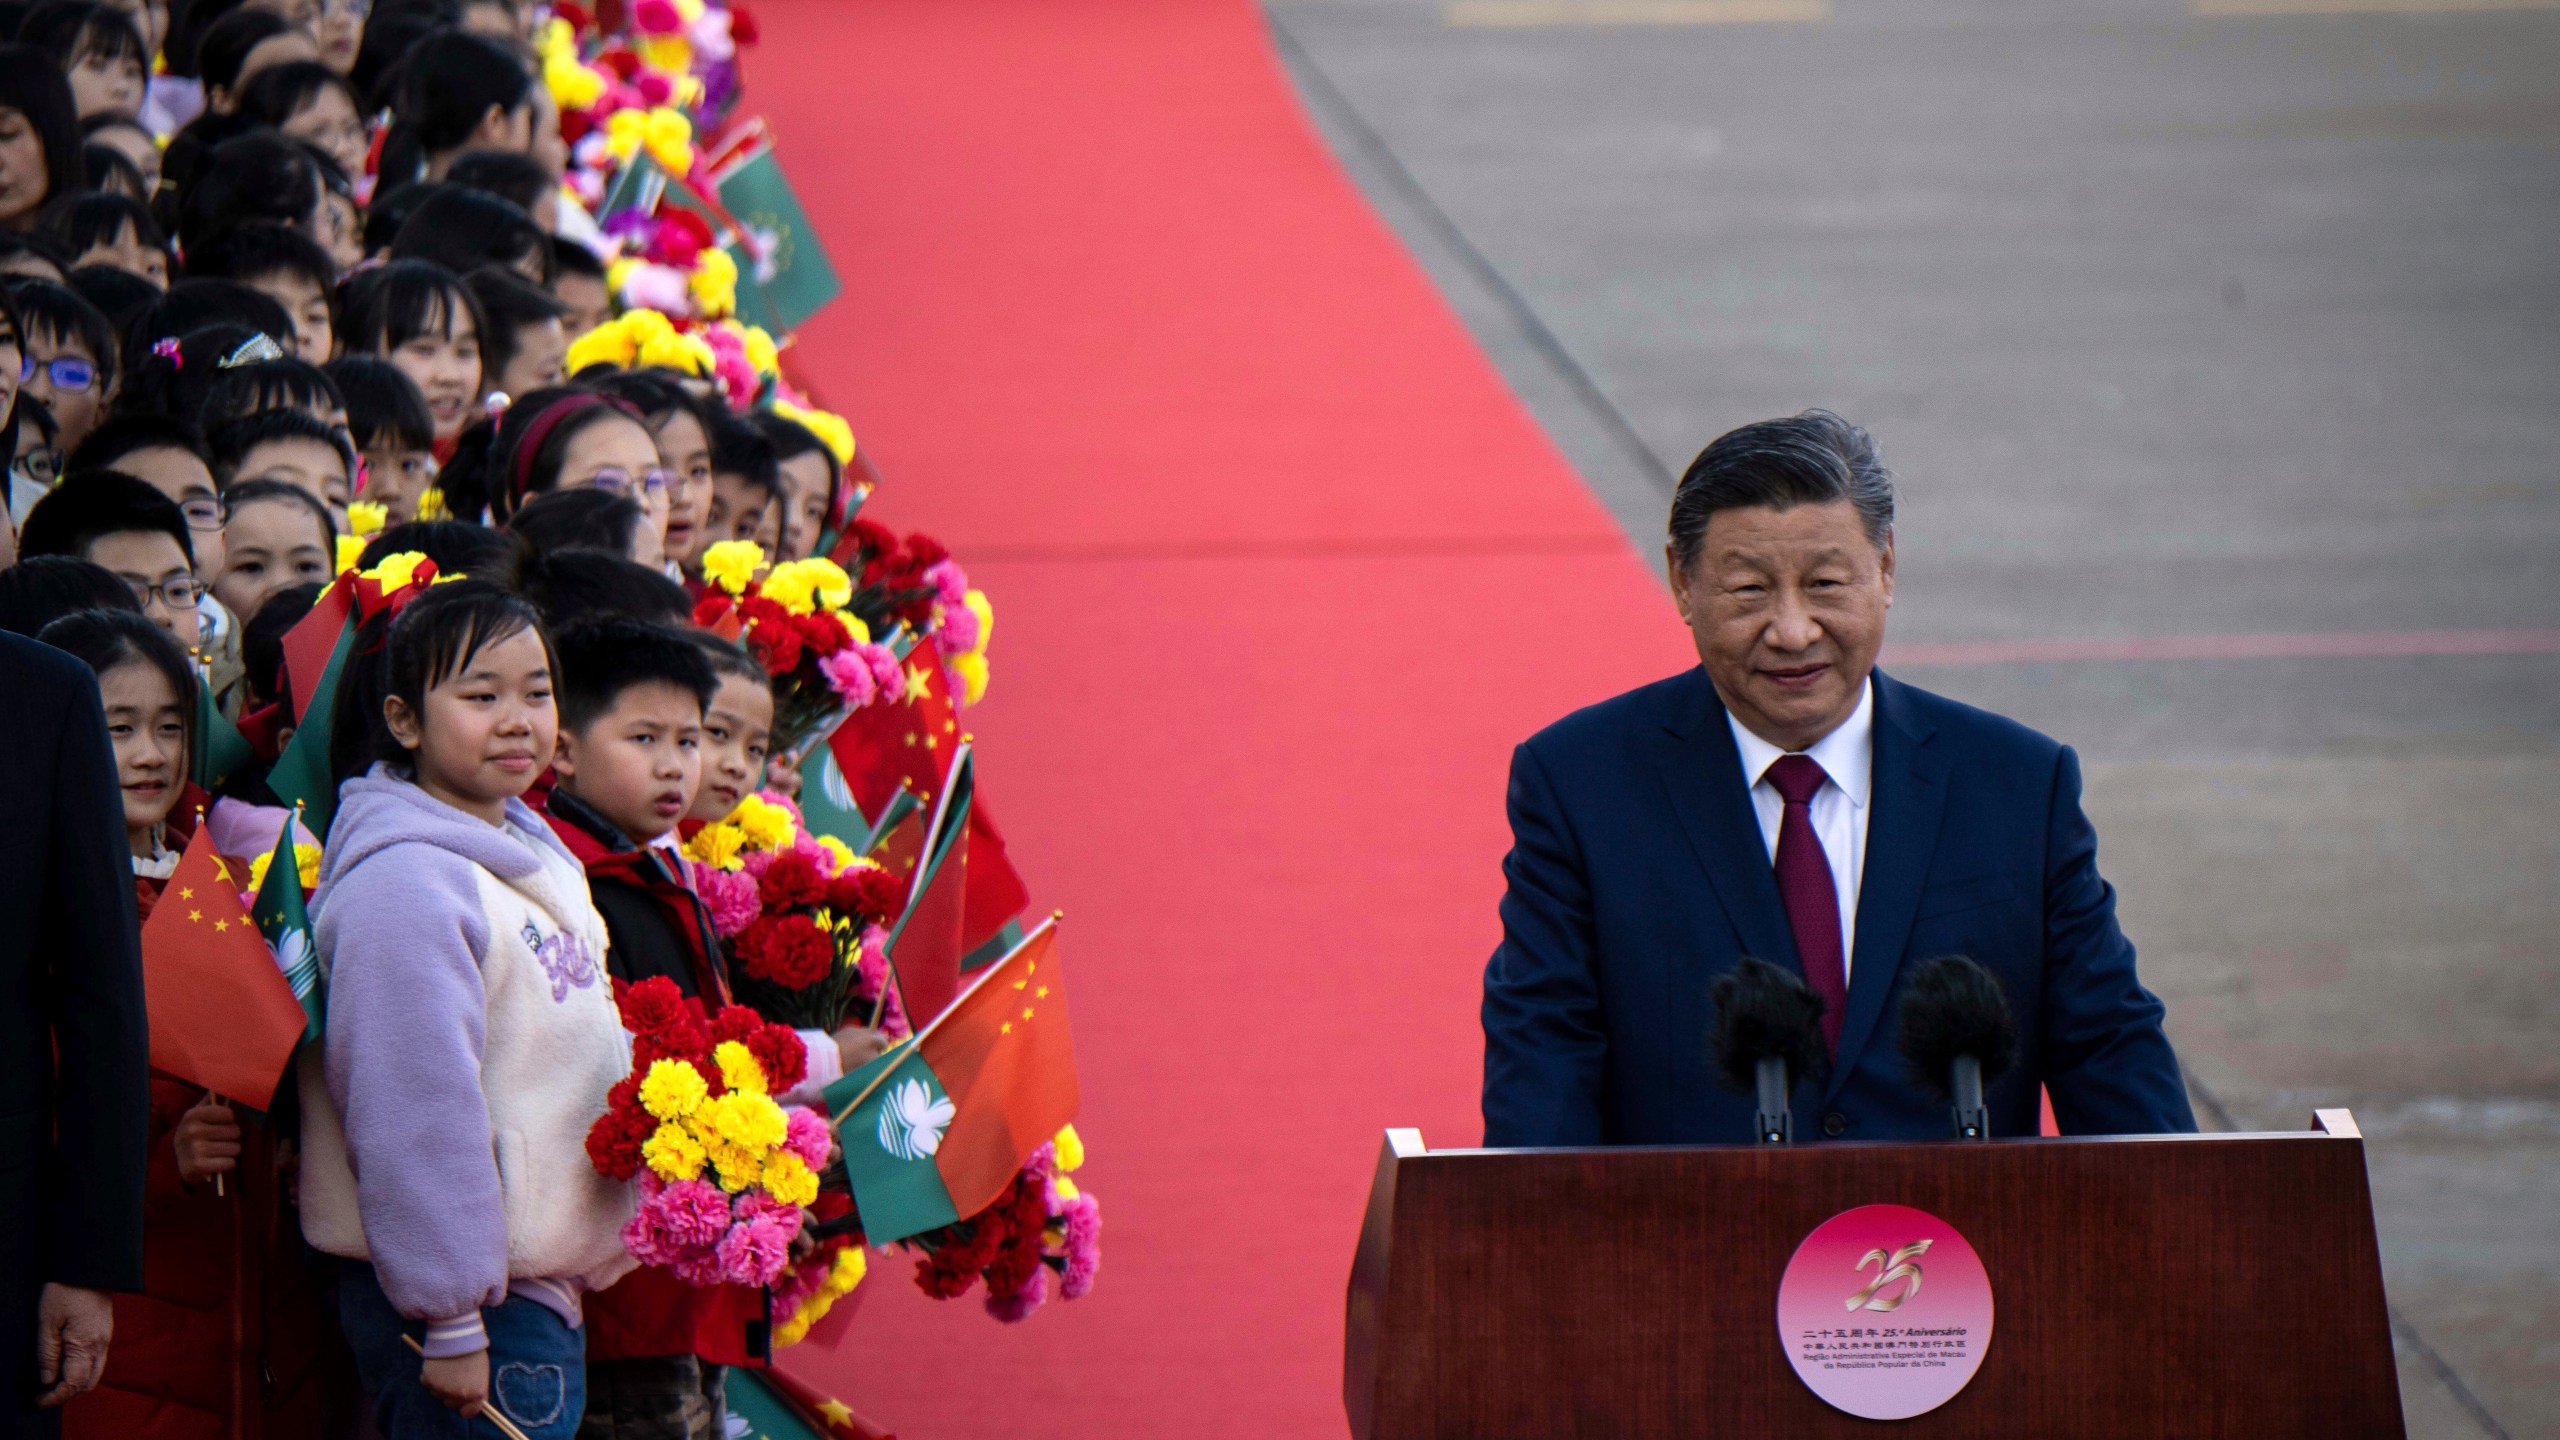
[731,564]
[749,1121]
[1070,1147]
[842,852]
[607,344]
[791,587]
[739,1167]
[765,825]
[431,505]
[738,1068]
[625,131]
[972,670]
[985,609]
[762,353]
[825,425]
[789,1179]
[688,353]
[673,1153]
[847,1272]
[350,550]
[1065,1187]
[672,1090]
[394,572]
[365,517]
[714,283]
[717,846]
[673,54]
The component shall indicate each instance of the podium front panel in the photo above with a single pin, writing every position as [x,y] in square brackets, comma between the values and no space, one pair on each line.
[2173,1285]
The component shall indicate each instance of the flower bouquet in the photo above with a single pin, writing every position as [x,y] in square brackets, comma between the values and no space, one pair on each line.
[725,1173]
[1042,1224]
[914,582]
[802,918]
[802,621]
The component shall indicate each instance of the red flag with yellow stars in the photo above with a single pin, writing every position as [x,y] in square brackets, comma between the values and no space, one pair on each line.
[778,1405]
[222,1015]
[934,1130]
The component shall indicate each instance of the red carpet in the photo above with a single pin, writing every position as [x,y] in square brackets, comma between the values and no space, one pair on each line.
[1281,572]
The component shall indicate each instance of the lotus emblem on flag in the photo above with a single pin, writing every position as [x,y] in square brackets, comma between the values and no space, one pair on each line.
[831,781]
[912,1119]
[293,957]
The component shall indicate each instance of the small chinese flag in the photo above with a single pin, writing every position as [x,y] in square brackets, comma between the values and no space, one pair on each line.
[222,1015]
[934,1130]
[778,1405]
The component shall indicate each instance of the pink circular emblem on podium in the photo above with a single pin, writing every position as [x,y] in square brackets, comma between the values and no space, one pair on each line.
[1885,1312]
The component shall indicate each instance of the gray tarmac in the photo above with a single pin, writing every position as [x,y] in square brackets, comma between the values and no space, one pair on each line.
[2175,323]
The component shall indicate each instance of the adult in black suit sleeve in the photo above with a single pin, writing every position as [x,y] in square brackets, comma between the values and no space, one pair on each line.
[74,1045]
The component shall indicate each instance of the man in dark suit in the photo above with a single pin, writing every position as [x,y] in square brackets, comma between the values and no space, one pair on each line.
[1788,802]
[74,1047]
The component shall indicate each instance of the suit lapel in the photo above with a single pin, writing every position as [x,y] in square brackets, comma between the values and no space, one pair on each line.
[1909,793]
[1702,772]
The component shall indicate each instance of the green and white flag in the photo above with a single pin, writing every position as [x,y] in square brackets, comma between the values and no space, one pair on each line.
[278,912]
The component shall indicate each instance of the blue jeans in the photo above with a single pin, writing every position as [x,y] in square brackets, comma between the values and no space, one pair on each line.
[537,1367]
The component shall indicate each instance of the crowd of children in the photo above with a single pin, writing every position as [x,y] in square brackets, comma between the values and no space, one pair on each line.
[282,276]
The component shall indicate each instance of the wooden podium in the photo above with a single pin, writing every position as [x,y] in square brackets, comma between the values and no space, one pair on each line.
[2215,1285]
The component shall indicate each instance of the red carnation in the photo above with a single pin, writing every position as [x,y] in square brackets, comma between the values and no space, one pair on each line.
[620,61]
[869,892]
[792,880]
[711,609]
[760,611]
[923,551]
[788,950]
[822,633]
[781,1055]
[742,26]
[777,648]
[580,21]
[735,1022]
[831,1205]
[614,1141]
[650,1006]
[1012,1267]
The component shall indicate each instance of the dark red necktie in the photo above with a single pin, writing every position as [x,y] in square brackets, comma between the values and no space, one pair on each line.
[1804,884]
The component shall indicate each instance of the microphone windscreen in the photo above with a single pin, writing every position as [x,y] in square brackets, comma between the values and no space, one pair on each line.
[1950,1007]
[1762,1010]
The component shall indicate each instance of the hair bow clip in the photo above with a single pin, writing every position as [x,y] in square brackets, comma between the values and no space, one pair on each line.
[167,348]
[260,346]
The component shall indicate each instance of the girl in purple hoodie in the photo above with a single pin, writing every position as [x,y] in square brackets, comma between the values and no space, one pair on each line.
[472,1037]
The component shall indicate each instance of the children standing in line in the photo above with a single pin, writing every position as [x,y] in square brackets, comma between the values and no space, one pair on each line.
[472,1036]
[229,1335]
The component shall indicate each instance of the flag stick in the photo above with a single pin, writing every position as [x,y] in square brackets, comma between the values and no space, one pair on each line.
[947,1012]
[489,1408]
[218,1191]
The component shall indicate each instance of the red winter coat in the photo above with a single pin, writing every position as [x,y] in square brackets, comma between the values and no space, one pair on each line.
[656,925]
[231,1337]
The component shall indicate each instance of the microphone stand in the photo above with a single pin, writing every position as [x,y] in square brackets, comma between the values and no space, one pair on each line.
[1973,1118]
[1774,1124]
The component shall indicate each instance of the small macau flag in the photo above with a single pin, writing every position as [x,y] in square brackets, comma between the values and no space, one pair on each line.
[935,1130]
[278,910]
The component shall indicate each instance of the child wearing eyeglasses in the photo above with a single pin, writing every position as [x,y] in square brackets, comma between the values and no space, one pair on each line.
[66,358]
[132,530]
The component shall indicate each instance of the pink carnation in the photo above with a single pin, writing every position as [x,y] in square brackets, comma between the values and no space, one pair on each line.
[874,962]
[1084,1246]
[950,583]
[657,17]
[754,1251]
[655,87]
[807,1138]
[850,675]
[1015,1308]
[959,632]
[698,1268]
[692,1213]
[885,669]
[731,895]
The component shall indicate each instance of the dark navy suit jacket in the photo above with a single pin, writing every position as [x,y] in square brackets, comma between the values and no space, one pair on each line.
[1638,874]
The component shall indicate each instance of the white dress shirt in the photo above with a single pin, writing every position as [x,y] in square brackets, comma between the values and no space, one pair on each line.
[1848,756]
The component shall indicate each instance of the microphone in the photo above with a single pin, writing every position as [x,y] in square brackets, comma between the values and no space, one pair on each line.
[1957,1037]
[1768,1035]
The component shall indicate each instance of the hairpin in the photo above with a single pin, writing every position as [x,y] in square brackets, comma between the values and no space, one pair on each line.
[167,348]
[260,346]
